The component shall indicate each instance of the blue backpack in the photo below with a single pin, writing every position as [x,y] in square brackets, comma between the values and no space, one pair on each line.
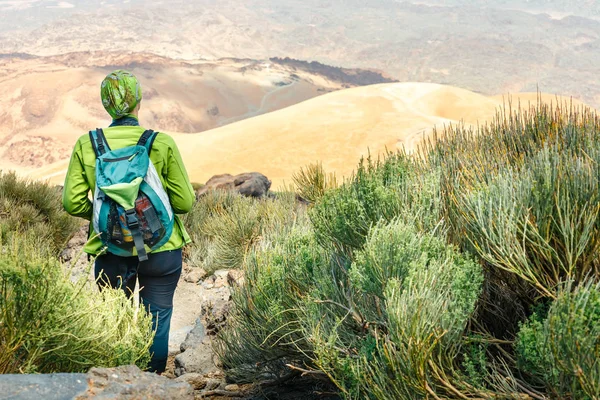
[132,212]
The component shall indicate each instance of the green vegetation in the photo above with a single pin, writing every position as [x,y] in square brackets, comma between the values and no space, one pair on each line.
[34,208]
[47,322]
[225,226]
[562,348]
[469,270]
[312,182]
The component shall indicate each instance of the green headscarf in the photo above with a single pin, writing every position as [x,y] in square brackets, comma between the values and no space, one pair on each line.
[121,93]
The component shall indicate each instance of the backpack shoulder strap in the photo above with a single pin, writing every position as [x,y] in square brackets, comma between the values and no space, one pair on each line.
[147,139]
[99,143]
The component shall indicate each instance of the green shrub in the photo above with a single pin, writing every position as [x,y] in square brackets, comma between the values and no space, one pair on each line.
[265,331]
[313,182]
[379,191]
[413,295]
[523,194]
[34,208]
[540,223]
[416,274]
[562,348]
[233,234]
[49,324]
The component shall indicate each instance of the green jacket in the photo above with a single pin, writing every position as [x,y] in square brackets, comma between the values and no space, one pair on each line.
[81,179]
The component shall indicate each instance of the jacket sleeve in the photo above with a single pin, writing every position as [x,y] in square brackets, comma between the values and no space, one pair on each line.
[75,192]
[180,191]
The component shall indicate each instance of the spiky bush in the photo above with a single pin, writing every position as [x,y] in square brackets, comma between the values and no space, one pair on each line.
[226,226]
[424,269]
[523,193]
[313,182]
[36,208]
[49,324]
[562,348]
[540,223]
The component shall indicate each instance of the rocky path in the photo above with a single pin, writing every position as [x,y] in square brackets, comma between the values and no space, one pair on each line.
[200,310]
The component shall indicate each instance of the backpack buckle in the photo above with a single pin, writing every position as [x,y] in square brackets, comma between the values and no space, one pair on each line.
[132,219]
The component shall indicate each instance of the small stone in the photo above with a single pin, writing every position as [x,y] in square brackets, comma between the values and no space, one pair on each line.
[220,282]
[197,381]
[232,388]
[212,384]
[195,275]
[221,273]
[235,277]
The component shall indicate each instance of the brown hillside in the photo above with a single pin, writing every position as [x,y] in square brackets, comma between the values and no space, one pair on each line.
[53,100]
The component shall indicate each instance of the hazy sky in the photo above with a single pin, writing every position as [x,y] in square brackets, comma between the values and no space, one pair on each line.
[30,14]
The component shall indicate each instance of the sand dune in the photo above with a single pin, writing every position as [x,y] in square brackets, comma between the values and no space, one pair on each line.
[336,129]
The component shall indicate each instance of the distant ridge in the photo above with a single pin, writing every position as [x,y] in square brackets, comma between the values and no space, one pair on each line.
[356,77]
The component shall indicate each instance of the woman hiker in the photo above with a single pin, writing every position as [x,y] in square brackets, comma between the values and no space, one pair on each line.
[159,270]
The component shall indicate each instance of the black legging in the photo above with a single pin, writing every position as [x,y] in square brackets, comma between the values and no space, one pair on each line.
[158,277]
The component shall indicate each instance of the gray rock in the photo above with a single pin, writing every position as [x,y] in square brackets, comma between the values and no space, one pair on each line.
[194,338]
[221,273]
[198,359]
[47,387]
[127,383]
[252,184]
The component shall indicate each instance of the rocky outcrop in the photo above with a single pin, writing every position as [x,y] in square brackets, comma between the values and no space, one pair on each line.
[127,383]
[197,354]
[349,77]
[194,337]
[251,184]
[198,360]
